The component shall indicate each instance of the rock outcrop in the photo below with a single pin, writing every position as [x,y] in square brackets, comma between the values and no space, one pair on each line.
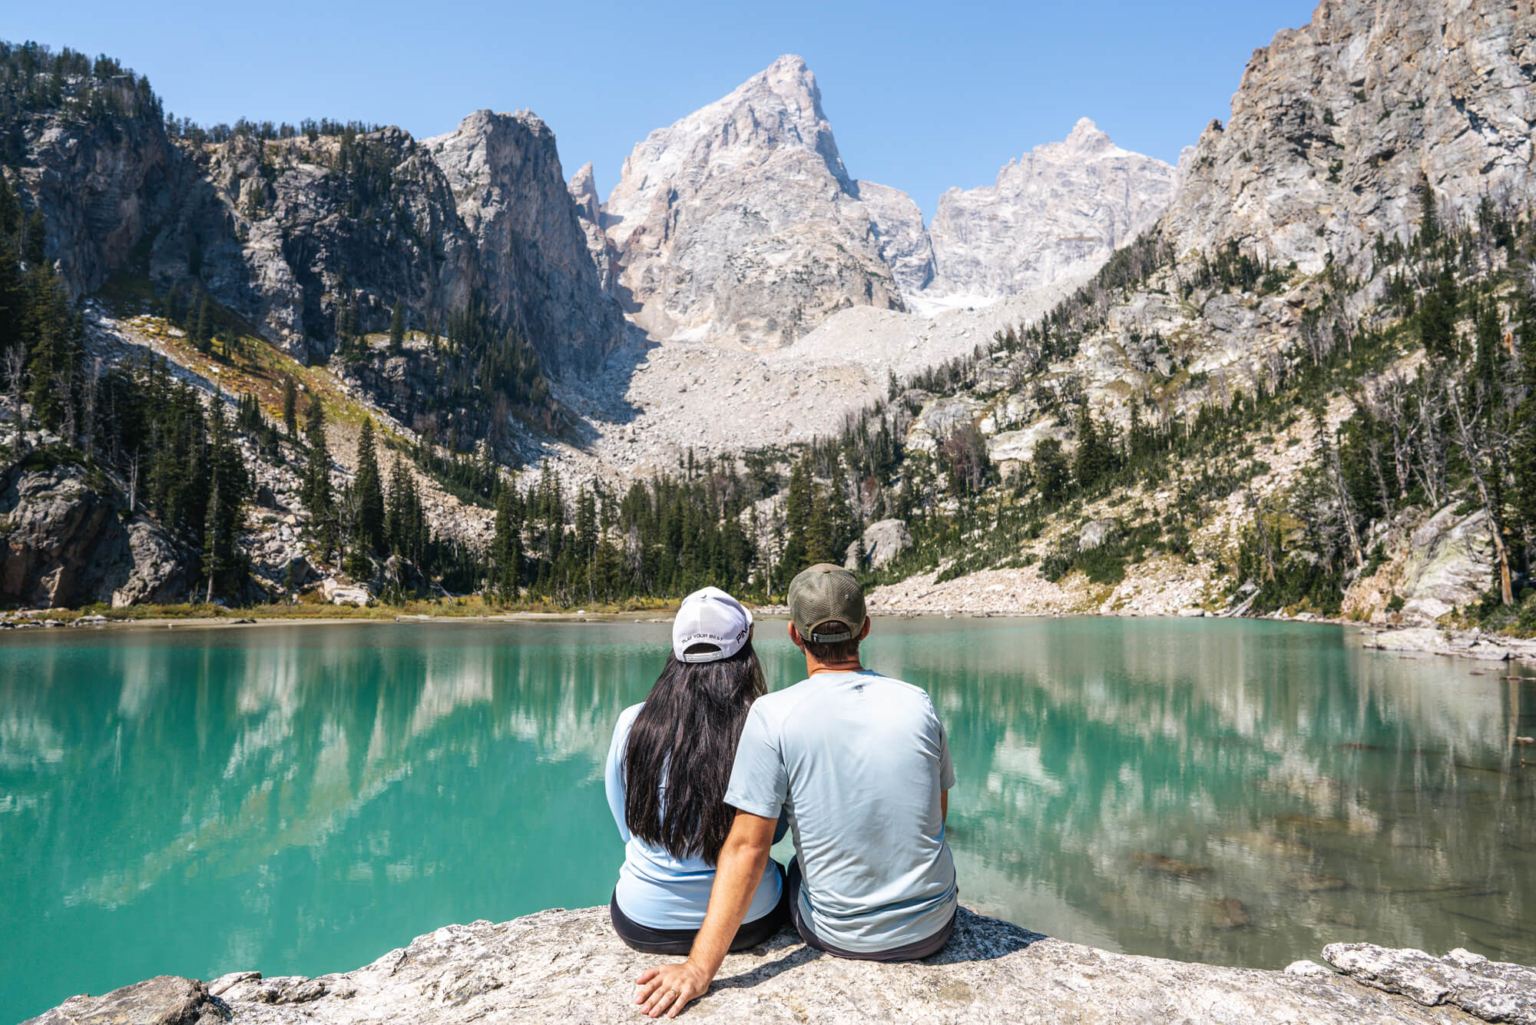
[295,236]
[605,258]
[740,223]
[903,242]
[63,543]
[1057,211]
[1337,126]
[568,966]
[102,176]
[532,252]
[883,541]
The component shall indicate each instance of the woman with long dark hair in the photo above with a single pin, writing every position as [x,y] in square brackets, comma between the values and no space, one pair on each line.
[666,776]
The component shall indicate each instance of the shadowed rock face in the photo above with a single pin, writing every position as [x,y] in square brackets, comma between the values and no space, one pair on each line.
[532,252]
[101,183]
[740,222]
[568,966]
[1337,123]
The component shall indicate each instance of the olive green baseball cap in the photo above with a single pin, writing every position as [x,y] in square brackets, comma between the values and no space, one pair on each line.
[826,594]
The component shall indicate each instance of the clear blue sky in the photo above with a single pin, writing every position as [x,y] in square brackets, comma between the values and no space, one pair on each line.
[921,95]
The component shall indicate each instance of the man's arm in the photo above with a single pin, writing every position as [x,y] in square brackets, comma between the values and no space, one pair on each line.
[944,806]
[669,989]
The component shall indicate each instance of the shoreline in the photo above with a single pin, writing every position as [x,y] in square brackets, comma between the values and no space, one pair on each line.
[1404,640]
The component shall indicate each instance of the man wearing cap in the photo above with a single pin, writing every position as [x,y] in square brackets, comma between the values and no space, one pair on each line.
[861,767]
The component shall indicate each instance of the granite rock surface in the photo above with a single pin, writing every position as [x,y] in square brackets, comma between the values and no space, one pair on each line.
[568,966]
[1059,210]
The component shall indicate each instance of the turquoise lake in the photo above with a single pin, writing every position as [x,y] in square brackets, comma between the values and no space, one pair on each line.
[302,799]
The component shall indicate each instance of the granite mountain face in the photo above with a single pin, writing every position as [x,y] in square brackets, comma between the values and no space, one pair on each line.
[1058,211]
[740,222]
[1338,127]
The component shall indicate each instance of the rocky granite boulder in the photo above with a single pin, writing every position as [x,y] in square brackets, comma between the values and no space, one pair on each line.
[740,223]
[1058,211]
[1337,125]
[1449,564]
[883,541]
[568,966]
[63,543]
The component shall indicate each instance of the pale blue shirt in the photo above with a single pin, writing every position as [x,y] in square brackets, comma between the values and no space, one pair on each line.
[860,763]
[656,889]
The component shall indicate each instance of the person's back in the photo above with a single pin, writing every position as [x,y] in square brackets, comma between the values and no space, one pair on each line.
[666,775]
[860,763]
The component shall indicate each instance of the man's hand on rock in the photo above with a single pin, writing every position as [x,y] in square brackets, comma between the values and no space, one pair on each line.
[670,988]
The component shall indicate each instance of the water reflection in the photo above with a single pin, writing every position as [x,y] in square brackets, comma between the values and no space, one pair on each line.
[301,799]
[1239,793]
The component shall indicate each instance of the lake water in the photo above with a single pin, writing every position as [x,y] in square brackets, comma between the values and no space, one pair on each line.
[302,799]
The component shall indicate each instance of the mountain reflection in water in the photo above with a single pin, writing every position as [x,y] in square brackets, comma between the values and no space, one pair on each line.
[301,799]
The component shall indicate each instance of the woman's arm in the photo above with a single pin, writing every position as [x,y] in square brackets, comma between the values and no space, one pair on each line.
[669,989]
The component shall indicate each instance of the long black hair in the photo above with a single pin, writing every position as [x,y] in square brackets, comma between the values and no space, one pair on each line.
[685,739]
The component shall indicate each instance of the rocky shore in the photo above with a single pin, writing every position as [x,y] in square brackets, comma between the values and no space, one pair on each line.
[567,966]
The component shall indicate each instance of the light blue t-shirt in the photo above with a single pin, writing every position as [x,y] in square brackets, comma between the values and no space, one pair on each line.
[860,762]
[655,889]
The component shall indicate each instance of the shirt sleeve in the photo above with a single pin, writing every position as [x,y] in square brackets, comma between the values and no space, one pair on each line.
[613,773]
[946,764]
[759,781]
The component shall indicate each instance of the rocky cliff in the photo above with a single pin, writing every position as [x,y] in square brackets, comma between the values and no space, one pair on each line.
[1338,126]
[740,222]
[899,233]
[533,257]
[304,233]
[568,966]
[1057,211]
[103,173]
[292,233]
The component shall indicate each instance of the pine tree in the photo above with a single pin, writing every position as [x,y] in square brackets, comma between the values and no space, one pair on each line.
[506,546]
[202,327]
[290,407]
[1490,338]
[798,502]
[317,493]
[397,327]
[370,493]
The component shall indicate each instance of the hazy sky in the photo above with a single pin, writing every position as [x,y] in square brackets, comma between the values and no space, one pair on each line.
[921,95]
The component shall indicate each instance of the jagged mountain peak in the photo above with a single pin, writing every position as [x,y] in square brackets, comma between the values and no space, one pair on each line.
[1088,137]
[739,221]
[583,190]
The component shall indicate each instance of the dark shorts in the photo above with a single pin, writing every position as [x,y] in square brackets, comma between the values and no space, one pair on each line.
[907,952]
[680,941]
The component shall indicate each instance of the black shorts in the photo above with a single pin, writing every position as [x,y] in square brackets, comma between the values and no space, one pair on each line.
[907,952]
[680,941]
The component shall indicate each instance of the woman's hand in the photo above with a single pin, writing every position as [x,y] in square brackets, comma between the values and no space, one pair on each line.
[670,988]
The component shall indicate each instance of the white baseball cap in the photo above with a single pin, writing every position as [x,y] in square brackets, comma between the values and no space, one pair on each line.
[713,617]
